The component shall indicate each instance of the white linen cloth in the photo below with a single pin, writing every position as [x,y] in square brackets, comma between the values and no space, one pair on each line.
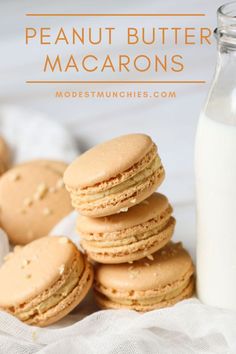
[31,136]
[186,328]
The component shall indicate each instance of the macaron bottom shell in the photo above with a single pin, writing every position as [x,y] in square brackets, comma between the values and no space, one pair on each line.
[145,303]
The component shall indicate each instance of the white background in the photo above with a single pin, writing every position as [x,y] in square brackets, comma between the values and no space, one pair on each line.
[171,123]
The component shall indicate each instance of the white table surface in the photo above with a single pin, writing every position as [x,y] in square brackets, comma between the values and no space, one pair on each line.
[171,123]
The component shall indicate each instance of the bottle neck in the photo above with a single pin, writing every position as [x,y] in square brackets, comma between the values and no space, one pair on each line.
[221,103]
[227,56]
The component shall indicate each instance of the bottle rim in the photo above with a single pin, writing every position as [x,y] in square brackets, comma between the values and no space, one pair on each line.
[228,10]
[226,27]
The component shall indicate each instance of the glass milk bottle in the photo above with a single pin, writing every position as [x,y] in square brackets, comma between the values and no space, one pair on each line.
[215,169]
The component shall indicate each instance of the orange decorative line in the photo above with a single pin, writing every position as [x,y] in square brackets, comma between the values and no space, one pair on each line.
[117,15]
[114,82]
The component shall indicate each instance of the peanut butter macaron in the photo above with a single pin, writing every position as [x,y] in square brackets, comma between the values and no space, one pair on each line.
[129,236]
[158,281]
[114,176]
[33,200]
[4,156]
[44,280]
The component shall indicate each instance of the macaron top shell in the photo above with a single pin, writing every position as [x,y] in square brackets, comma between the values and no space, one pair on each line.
[33,200]
[164,267]
[56,165]
[32,269]
[150,208]
[107,160]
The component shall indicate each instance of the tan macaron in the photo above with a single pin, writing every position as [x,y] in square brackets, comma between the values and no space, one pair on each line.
[45,280]
[4,156]
[129,236]
[158,281]
[114,176]
[33,200]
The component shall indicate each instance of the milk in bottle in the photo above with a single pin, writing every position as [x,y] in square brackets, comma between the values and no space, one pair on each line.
[215,169]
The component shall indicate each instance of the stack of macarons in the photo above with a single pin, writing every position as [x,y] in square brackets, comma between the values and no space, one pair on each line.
[126,227]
